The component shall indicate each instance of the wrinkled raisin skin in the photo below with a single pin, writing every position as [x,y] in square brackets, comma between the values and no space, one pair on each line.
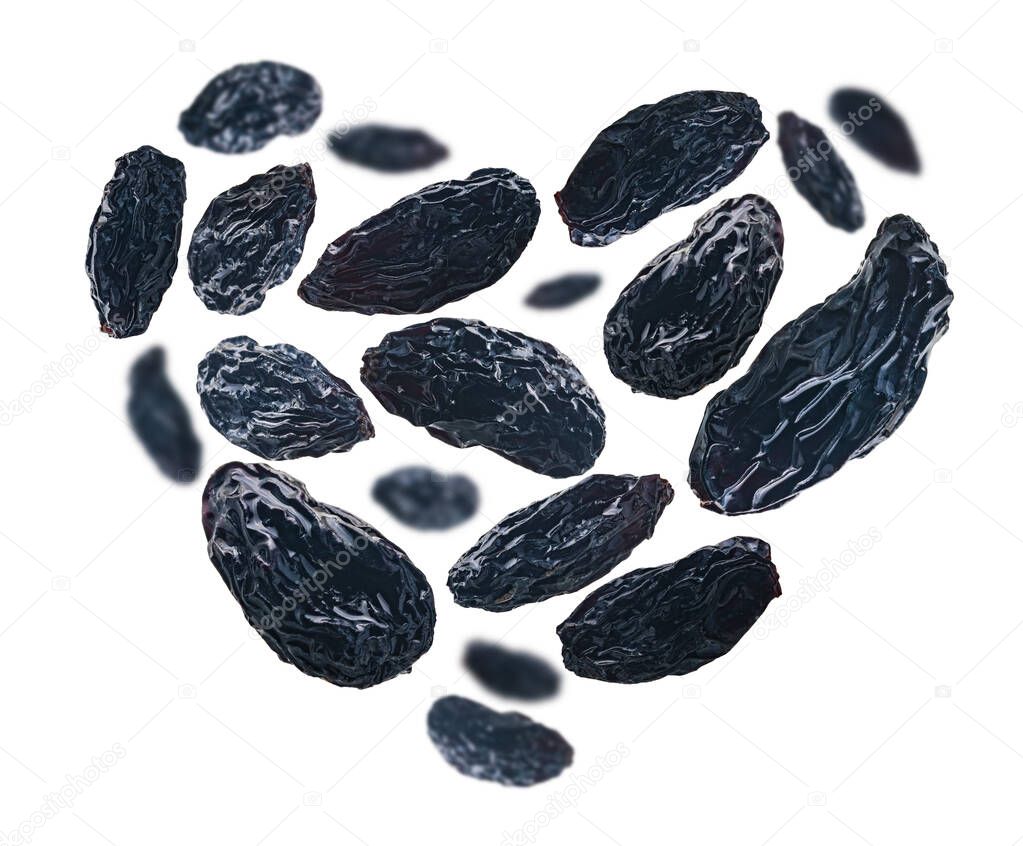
[516,675]
[563,291]
[875,127]
[673,619]
[389,149]
[422,498]
[831,384]
[690,314]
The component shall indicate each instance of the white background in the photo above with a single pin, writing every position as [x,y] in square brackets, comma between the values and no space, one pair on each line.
[881,707]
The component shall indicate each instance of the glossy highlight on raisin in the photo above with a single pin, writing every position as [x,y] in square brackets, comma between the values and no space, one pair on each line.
[423,498]
[389,149]
[506,672]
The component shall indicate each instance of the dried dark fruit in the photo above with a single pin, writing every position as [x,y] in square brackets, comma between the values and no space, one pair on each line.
[251,237]
[517,675]
[563,291]
[830,385]
[470,384]
[508,748]
[160,420]
[324,589]
[818,172]
[433,247]
[425,499]
[559,544]
[673,619]
[247,106]
[390,149]
[278,401]
[875,127]
[690,314]
[134,240]
[656,158]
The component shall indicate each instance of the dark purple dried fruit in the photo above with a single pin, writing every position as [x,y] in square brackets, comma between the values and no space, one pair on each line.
[160,420]
[673,619]
[326,591]
[560,544]
[278,401]
[425,499]
[656,158]
[470,384]
[251,237]
[517,675]
[875,127]
[390,149]
[563,291]
[433,247]
[247,106]
[507,748]
[818,172]
[690,314]
[134,240]
[830,385]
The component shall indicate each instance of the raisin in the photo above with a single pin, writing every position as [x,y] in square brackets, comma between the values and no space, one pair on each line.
[160,420]
[425,499]
[563,291]
[390,149]
[251,237]
[326,591]
[247,106]
[278,401]
[559,544]
[433,247]
[690,314]
[517,675]
[875,127]
[673,619]
[134,240]
[656,158]
[831,384]
[508,748]
[471,384]
[818,172]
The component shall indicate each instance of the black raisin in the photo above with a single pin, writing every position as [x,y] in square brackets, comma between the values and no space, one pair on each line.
[830,385]
[247,106]
[160,420]
[656,158]
[390,149]
[433,247]
[251,237]
[425,499]
[517,675]
[508,748]
[278,401]
[818,172]
[563,291]
[673,619]
[471,384]
[875,127]
[326,591]
[690,314]
[134,240]
[559,544]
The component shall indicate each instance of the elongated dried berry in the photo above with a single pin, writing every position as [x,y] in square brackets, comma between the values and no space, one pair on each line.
[160,420]
[832,384]
[425,499]
[433,247]
[134,240]
[875,127]
[673,619]
[517,675]
[470,384]
[656,158]
[278,401]
[390,149]
[326,591]
[507,748]
[559,544]
[251,237]
[563,291]
[247,106]
[818,172]
[690,314]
